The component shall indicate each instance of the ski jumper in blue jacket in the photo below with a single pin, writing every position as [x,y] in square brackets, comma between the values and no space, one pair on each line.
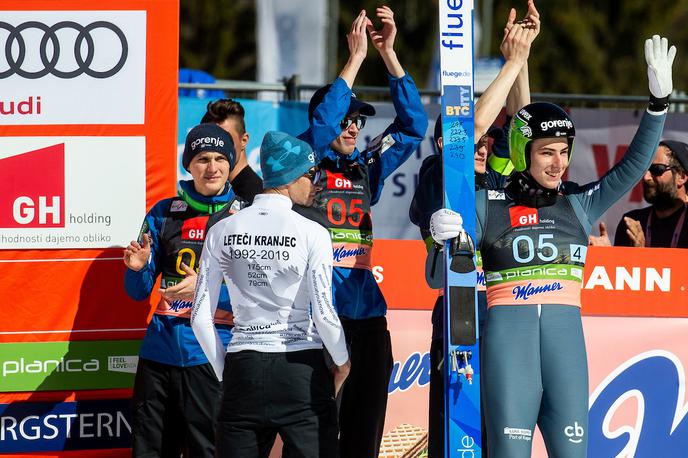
[351,184]
[170,412]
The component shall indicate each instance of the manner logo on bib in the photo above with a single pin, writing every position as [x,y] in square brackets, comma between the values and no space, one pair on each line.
[523,216]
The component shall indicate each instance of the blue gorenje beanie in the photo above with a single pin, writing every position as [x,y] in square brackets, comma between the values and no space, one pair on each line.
[284,159]
[208,137]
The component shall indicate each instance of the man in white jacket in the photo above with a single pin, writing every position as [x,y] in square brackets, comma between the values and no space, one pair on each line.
[278,268]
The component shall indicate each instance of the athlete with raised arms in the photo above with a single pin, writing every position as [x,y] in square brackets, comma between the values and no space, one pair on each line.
[533,237]
[352,182]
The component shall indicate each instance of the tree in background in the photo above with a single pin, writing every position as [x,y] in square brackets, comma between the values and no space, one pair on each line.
[417,25]
[595,47]
[218,36]
[585,47]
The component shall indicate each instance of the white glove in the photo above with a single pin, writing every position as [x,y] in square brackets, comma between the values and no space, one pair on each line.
[445,224]
[659,61]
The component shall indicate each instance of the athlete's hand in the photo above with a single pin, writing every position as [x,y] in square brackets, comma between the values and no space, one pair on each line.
[184,290]
[136,255]
[659,58]
[383,39]
[357,38]
[602,239]
[516,43]
[445,224]
[340,374]
[532,19]
[635,232]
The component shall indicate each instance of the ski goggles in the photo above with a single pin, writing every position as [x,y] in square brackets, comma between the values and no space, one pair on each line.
[657,170]
[360,122]
[313,174]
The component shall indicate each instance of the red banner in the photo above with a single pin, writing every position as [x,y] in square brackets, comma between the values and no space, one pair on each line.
[650,282]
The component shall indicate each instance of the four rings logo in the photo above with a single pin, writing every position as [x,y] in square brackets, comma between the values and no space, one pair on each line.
[52,50]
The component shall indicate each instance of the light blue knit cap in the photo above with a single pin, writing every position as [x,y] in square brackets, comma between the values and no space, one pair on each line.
[284,159]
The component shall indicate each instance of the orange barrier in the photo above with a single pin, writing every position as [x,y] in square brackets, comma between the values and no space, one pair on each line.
[649,282]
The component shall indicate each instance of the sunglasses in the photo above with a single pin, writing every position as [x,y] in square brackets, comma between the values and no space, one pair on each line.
[657,170]
[313,174]
[358,120]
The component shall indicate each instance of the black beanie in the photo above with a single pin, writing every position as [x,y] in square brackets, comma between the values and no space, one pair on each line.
[208,137]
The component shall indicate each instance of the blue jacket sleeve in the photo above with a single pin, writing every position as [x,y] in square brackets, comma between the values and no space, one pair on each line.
[139,285]
[401,138]
[598,196]
[324,127]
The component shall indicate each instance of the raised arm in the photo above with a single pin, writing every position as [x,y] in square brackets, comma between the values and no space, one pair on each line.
[519,94]
[598,196]
[358,48]
[383,40]
[393,147]
[142,256]
[327,115]
[515,48]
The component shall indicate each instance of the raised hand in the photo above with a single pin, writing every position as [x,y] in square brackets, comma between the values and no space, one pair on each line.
[383,39]
[635,232]
[357,38]
[659,58]
[136,255]
[515,45]
[519,35]
[602,239]
[532,19]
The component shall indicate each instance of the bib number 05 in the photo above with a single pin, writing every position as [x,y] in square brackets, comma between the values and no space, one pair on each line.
[524,248]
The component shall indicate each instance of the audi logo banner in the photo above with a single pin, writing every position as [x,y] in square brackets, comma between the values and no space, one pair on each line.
[64,67]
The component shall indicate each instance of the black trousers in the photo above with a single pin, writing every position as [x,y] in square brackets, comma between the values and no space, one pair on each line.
[288,393]
[364,396]
[175,409]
